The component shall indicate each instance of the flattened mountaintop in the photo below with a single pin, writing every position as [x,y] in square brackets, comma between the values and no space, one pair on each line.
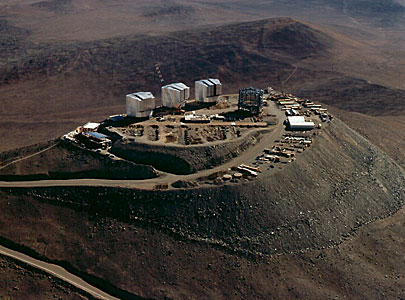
[337,185]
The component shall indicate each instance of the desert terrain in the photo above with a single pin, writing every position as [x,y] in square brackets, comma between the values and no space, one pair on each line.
[339,235]
[20,281]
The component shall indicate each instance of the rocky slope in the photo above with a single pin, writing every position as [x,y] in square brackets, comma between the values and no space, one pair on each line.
[61,160]
[20,281]
[341,183]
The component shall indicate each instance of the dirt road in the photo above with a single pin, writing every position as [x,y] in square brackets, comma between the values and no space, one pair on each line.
[57,271]
[28,156]
[246,157]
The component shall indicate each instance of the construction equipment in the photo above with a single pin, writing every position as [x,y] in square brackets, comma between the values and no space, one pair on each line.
[250,168]
[247,171]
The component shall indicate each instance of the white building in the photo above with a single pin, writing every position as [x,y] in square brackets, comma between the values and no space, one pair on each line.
[140,105]
[175,94]
[208,90]
[299,123]
[90,126]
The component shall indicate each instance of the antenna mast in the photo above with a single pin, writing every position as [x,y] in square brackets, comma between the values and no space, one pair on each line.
[157,68]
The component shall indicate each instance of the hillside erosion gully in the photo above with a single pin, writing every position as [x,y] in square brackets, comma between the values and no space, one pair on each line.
[342,182]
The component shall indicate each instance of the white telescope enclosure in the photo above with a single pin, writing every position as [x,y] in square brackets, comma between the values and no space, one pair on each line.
[208,90]
[175,95]
[140,105]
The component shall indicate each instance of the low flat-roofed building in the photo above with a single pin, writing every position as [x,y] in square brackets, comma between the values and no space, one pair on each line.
[140,105]
[95,140]
[90,126]
[175,95]
[97,136]
[208,90]
[299,123]
[191,118]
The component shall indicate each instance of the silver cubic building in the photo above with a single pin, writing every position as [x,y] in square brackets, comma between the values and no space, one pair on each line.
[251,99]
[140,105]
[208,90]
[175,95]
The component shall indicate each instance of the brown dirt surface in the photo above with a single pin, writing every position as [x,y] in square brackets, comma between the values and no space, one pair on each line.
[57,74]
[20,281]
[66,20]
[355,95]
[368,265]
[186,159]
[64,160]
[386,132]
[192,261]
[341,182]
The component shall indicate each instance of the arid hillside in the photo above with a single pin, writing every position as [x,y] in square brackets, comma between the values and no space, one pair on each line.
[60,86]
[278,236]
[329,226]
[20,281]
[74,20]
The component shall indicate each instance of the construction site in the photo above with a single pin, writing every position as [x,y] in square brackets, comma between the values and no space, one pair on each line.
[212,139]
[257,173]
[240,180]
[204,183]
